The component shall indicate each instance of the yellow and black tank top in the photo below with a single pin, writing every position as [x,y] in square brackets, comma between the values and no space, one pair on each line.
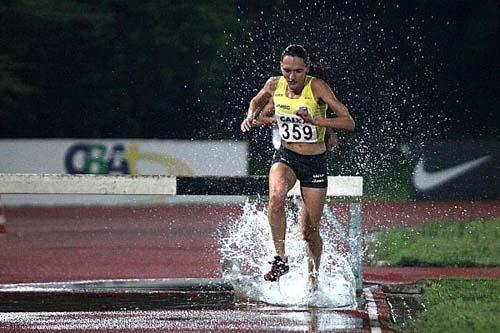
[291,126]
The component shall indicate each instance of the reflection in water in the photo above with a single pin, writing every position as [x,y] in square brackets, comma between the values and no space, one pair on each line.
[311,320]
[234,320]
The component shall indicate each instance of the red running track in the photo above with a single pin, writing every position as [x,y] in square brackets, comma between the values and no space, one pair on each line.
[176,241]
[81,243]
[91,243]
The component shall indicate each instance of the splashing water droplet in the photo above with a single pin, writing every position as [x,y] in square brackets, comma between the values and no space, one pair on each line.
[246,247]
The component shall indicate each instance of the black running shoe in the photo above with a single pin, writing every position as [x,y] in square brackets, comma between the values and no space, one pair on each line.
[278,268]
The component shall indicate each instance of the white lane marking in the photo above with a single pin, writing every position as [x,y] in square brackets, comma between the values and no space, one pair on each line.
[371,306]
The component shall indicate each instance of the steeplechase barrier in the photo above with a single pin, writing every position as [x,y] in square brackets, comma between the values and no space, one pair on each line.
[338,186]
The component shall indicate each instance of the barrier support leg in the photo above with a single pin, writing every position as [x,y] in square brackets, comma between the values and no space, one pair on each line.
[356,242]
[3,219]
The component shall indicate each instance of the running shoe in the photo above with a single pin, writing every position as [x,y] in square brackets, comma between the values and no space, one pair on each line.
[278,268]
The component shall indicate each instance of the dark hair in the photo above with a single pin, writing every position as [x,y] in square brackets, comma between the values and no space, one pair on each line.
[318,68]
[296,50]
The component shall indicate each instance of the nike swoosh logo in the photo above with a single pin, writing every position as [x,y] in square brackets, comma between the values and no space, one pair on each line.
[425,181]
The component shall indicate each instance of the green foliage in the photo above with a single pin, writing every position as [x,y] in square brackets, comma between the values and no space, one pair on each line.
[393,185]
[111,68]
[455,244]
[455,305]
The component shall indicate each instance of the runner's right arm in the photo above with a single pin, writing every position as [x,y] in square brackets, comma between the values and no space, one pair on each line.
[259,102]
[265,117]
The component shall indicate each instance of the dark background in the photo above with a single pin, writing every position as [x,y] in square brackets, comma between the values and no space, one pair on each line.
[409,71]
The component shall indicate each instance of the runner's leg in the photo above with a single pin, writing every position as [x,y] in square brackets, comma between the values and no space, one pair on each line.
[313,200]
[281,180]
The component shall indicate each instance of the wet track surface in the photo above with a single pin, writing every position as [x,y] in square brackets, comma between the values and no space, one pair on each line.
[224,320]
[174,243]
[198,305]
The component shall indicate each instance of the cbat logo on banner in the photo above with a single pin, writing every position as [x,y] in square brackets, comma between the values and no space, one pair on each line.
[97,158]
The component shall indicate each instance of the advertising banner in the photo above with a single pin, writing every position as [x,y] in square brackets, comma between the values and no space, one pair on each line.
[456,170]
[116,156]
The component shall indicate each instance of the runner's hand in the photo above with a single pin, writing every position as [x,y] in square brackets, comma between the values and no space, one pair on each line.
[247,124]
[306,116]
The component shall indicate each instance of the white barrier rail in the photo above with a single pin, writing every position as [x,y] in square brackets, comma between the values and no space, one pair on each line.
[159,185]
[86,184]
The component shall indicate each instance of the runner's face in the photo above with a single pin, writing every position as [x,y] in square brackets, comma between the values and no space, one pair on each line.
[294,70]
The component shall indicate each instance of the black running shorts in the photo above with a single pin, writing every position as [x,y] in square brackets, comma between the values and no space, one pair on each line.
[310,170]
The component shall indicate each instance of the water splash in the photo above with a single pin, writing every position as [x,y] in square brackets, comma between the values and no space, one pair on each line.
[246,247]
[390,75]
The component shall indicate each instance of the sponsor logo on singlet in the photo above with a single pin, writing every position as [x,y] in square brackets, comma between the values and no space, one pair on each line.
[291,119]
[283,106]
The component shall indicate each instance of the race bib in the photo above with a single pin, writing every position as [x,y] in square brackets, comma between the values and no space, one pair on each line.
[293,129]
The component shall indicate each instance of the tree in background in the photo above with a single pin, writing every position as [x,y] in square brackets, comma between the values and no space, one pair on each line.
[111,68]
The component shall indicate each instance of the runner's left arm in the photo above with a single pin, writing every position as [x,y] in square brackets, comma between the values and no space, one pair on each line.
[343,119]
